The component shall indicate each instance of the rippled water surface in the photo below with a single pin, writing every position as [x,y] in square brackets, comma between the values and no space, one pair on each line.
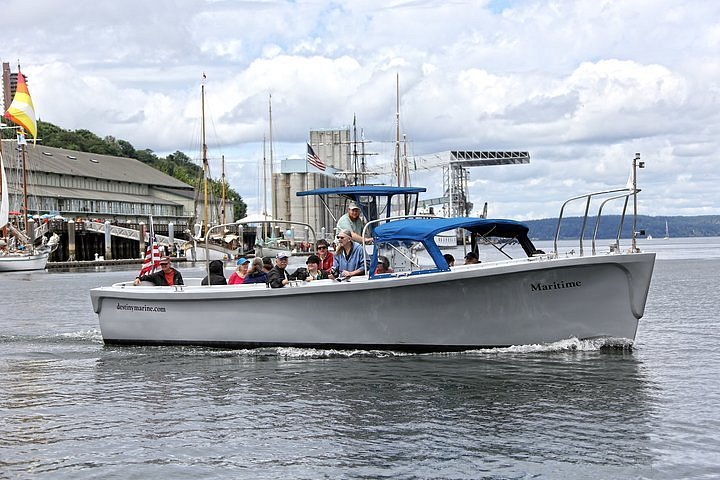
[72,408]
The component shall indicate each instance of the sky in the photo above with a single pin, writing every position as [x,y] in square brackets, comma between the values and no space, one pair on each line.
[582,85]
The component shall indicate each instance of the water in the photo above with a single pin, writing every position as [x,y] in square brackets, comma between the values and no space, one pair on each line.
[72,408]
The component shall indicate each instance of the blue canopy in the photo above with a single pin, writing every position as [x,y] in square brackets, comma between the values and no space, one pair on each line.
[424,229]
[354,191]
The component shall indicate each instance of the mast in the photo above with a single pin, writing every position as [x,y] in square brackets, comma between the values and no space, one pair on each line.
[21,143]
[272,183]
[204,158]
[264,176]
[223,190]
[397,128]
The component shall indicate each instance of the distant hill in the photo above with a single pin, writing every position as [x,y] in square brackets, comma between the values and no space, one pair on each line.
[697,226]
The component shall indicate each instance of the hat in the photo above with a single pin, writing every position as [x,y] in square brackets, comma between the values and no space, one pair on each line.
[471,255]
[282,255]
[353,206]
[164,260]
[242,261]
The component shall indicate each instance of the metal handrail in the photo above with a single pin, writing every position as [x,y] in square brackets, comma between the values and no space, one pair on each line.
[588,197]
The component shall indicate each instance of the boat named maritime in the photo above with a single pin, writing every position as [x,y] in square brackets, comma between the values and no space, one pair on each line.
[516,295]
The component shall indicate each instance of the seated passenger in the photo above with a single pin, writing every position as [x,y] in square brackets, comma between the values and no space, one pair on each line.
[326,257]
[238,276]
[349,259]
[256,274]
[449,259]
[267,264]
[383,265]
[167,275]
[471,258]
[313,271]
[278,276]
[217,274]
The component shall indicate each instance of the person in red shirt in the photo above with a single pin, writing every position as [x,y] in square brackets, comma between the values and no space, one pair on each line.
[326,258]
[167,275]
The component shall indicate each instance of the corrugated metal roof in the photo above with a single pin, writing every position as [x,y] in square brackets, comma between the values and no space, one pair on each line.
[83,164]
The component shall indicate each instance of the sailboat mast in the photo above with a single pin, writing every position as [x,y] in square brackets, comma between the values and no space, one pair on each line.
[205,161]
[222,202]
[272,183]
[24,181]
[397,128]
[264,177]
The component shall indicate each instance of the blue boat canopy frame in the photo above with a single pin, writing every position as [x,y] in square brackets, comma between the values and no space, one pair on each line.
[406,232]
[368,198]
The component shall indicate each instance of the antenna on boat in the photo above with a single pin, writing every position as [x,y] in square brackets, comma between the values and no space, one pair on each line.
[636,164]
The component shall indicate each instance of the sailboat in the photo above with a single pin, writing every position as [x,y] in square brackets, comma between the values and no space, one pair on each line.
[17,250]
[667,231]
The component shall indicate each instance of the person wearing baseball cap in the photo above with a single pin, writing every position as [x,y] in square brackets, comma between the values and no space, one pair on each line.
[238,276]
[352,221]
[167,275]
[278,276]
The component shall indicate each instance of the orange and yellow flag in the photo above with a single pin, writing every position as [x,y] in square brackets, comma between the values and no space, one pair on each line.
[21,110]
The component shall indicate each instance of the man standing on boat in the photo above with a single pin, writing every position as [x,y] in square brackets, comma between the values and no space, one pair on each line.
[278,276]
[352,221]
[166,276]
[349,259]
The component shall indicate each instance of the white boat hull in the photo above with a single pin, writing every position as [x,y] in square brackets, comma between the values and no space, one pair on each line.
[487,305]
[21,262]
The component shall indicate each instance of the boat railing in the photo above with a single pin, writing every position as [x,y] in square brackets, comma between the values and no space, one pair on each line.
[240,224]
[622,193]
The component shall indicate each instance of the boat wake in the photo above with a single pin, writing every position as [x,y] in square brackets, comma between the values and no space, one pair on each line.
[562,346]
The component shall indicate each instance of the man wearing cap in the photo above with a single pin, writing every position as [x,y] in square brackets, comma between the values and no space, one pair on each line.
[352,221]
[278,276]
[167,275]
[238,276]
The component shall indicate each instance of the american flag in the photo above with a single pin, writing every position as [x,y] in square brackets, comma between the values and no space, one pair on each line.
[313,159]
[152,258]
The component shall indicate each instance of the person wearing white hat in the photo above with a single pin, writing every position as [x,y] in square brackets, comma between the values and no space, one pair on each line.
[278,276]
[352,221]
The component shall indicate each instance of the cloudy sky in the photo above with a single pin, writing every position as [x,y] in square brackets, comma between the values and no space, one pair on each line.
[581,85]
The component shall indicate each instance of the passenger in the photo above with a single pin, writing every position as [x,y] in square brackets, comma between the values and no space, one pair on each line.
[256,274]
[313,269]
[449,259]
[349,257]
[326,257]
[383,265]
[471,258]
[267,264]
[217,274]
[352,221]
[278,276]
[238,276]
[167,275]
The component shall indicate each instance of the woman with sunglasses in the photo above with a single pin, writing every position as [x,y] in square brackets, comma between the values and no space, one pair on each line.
[326,257]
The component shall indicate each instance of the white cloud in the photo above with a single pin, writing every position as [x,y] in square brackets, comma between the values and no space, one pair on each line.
[582,85]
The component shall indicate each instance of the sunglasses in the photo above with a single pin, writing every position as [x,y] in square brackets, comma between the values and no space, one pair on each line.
[340,237]
[322,248]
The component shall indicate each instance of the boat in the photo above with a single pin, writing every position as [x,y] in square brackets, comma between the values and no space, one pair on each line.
[667,231]
[19,250]
[516,295]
